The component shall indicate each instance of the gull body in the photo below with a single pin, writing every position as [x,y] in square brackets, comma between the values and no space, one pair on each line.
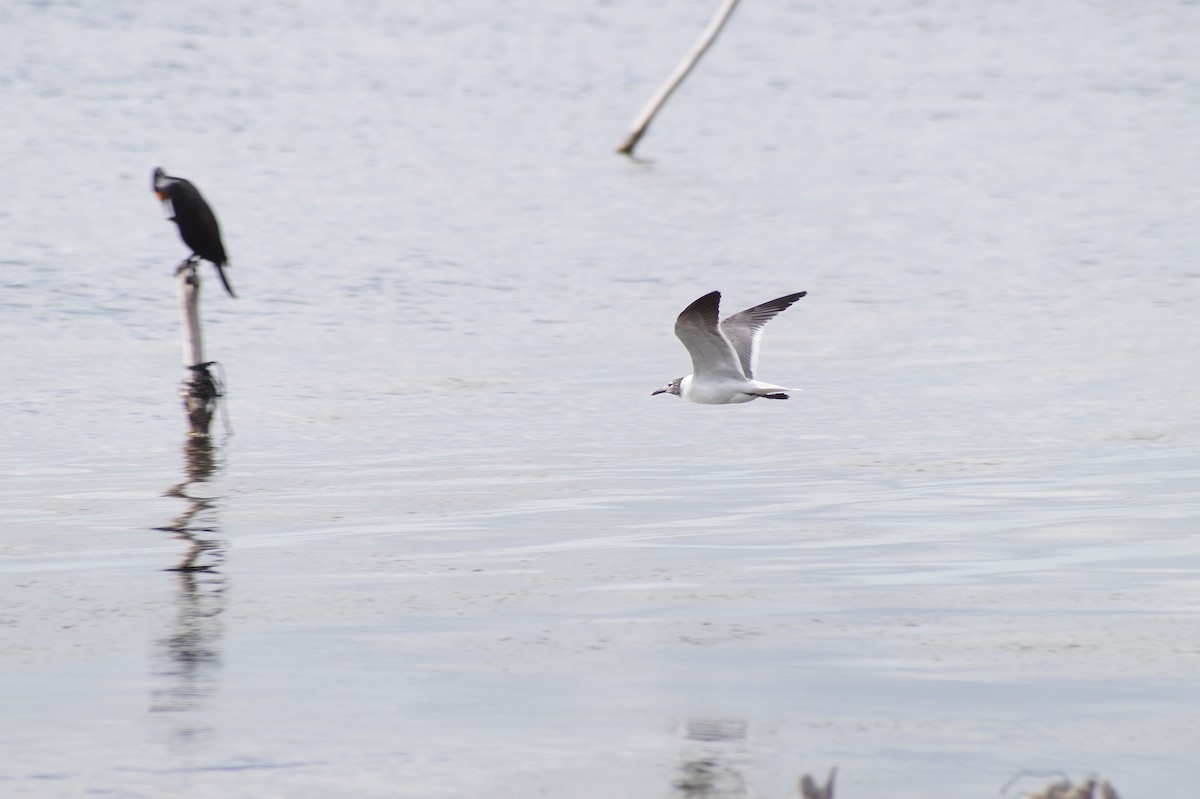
[195,219]
[725,353]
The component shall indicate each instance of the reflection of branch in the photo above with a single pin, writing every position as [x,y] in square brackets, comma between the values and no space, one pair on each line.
[200,463]
[713,760]
[709,769]
[191,654]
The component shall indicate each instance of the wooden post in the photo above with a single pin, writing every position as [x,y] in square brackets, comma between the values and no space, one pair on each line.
[706,39]
[199,391]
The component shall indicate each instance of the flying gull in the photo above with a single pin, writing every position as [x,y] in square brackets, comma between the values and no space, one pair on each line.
[725,353]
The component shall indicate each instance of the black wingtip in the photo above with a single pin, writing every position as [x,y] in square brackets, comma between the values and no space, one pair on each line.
[707,306]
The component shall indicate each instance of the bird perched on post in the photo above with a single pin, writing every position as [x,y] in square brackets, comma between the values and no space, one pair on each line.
[725,353]
[197,224]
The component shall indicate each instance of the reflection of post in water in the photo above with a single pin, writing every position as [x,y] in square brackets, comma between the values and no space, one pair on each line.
[189,657]
[713,758]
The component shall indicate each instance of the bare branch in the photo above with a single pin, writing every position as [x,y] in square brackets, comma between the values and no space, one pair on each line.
[706,39]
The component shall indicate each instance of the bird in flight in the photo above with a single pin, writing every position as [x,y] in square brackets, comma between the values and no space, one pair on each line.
[197,224]
[725,353]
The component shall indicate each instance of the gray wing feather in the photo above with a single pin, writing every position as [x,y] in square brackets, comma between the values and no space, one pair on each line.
[744,328]
[699,328]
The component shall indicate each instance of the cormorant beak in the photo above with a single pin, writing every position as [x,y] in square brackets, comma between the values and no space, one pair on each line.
[161,197]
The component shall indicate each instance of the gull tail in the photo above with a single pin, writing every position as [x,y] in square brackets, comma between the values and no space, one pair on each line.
[769,391]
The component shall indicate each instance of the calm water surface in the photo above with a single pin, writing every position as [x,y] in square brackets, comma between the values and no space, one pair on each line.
[454,548]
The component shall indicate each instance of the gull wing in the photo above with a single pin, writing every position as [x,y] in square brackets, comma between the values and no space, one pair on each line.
[743,329]
[699,328]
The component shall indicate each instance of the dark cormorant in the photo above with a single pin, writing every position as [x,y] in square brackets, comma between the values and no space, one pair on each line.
[197,224]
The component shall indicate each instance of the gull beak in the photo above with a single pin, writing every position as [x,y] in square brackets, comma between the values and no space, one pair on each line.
[660,391]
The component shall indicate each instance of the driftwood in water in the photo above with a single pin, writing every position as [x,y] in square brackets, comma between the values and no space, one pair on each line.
[706,39]
[199,391]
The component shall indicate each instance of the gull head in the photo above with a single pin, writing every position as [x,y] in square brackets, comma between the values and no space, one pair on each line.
[670,388]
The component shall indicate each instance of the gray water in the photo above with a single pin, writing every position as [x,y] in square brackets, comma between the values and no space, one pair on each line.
[454,548]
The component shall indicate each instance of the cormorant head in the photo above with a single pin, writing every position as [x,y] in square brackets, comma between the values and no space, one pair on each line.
[159,183]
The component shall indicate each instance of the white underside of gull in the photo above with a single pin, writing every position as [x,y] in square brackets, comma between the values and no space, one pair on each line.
[726,391]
